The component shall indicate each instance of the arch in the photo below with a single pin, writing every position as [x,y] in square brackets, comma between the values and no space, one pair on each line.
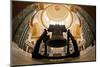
[20,25]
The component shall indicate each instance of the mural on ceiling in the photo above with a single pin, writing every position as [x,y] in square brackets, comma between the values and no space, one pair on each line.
[45,33]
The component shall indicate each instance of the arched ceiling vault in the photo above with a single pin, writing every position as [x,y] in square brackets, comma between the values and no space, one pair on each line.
[71,15]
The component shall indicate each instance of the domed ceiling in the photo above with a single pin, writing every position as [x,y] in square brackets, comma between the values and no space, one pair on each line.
[30,23]
[56,14]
